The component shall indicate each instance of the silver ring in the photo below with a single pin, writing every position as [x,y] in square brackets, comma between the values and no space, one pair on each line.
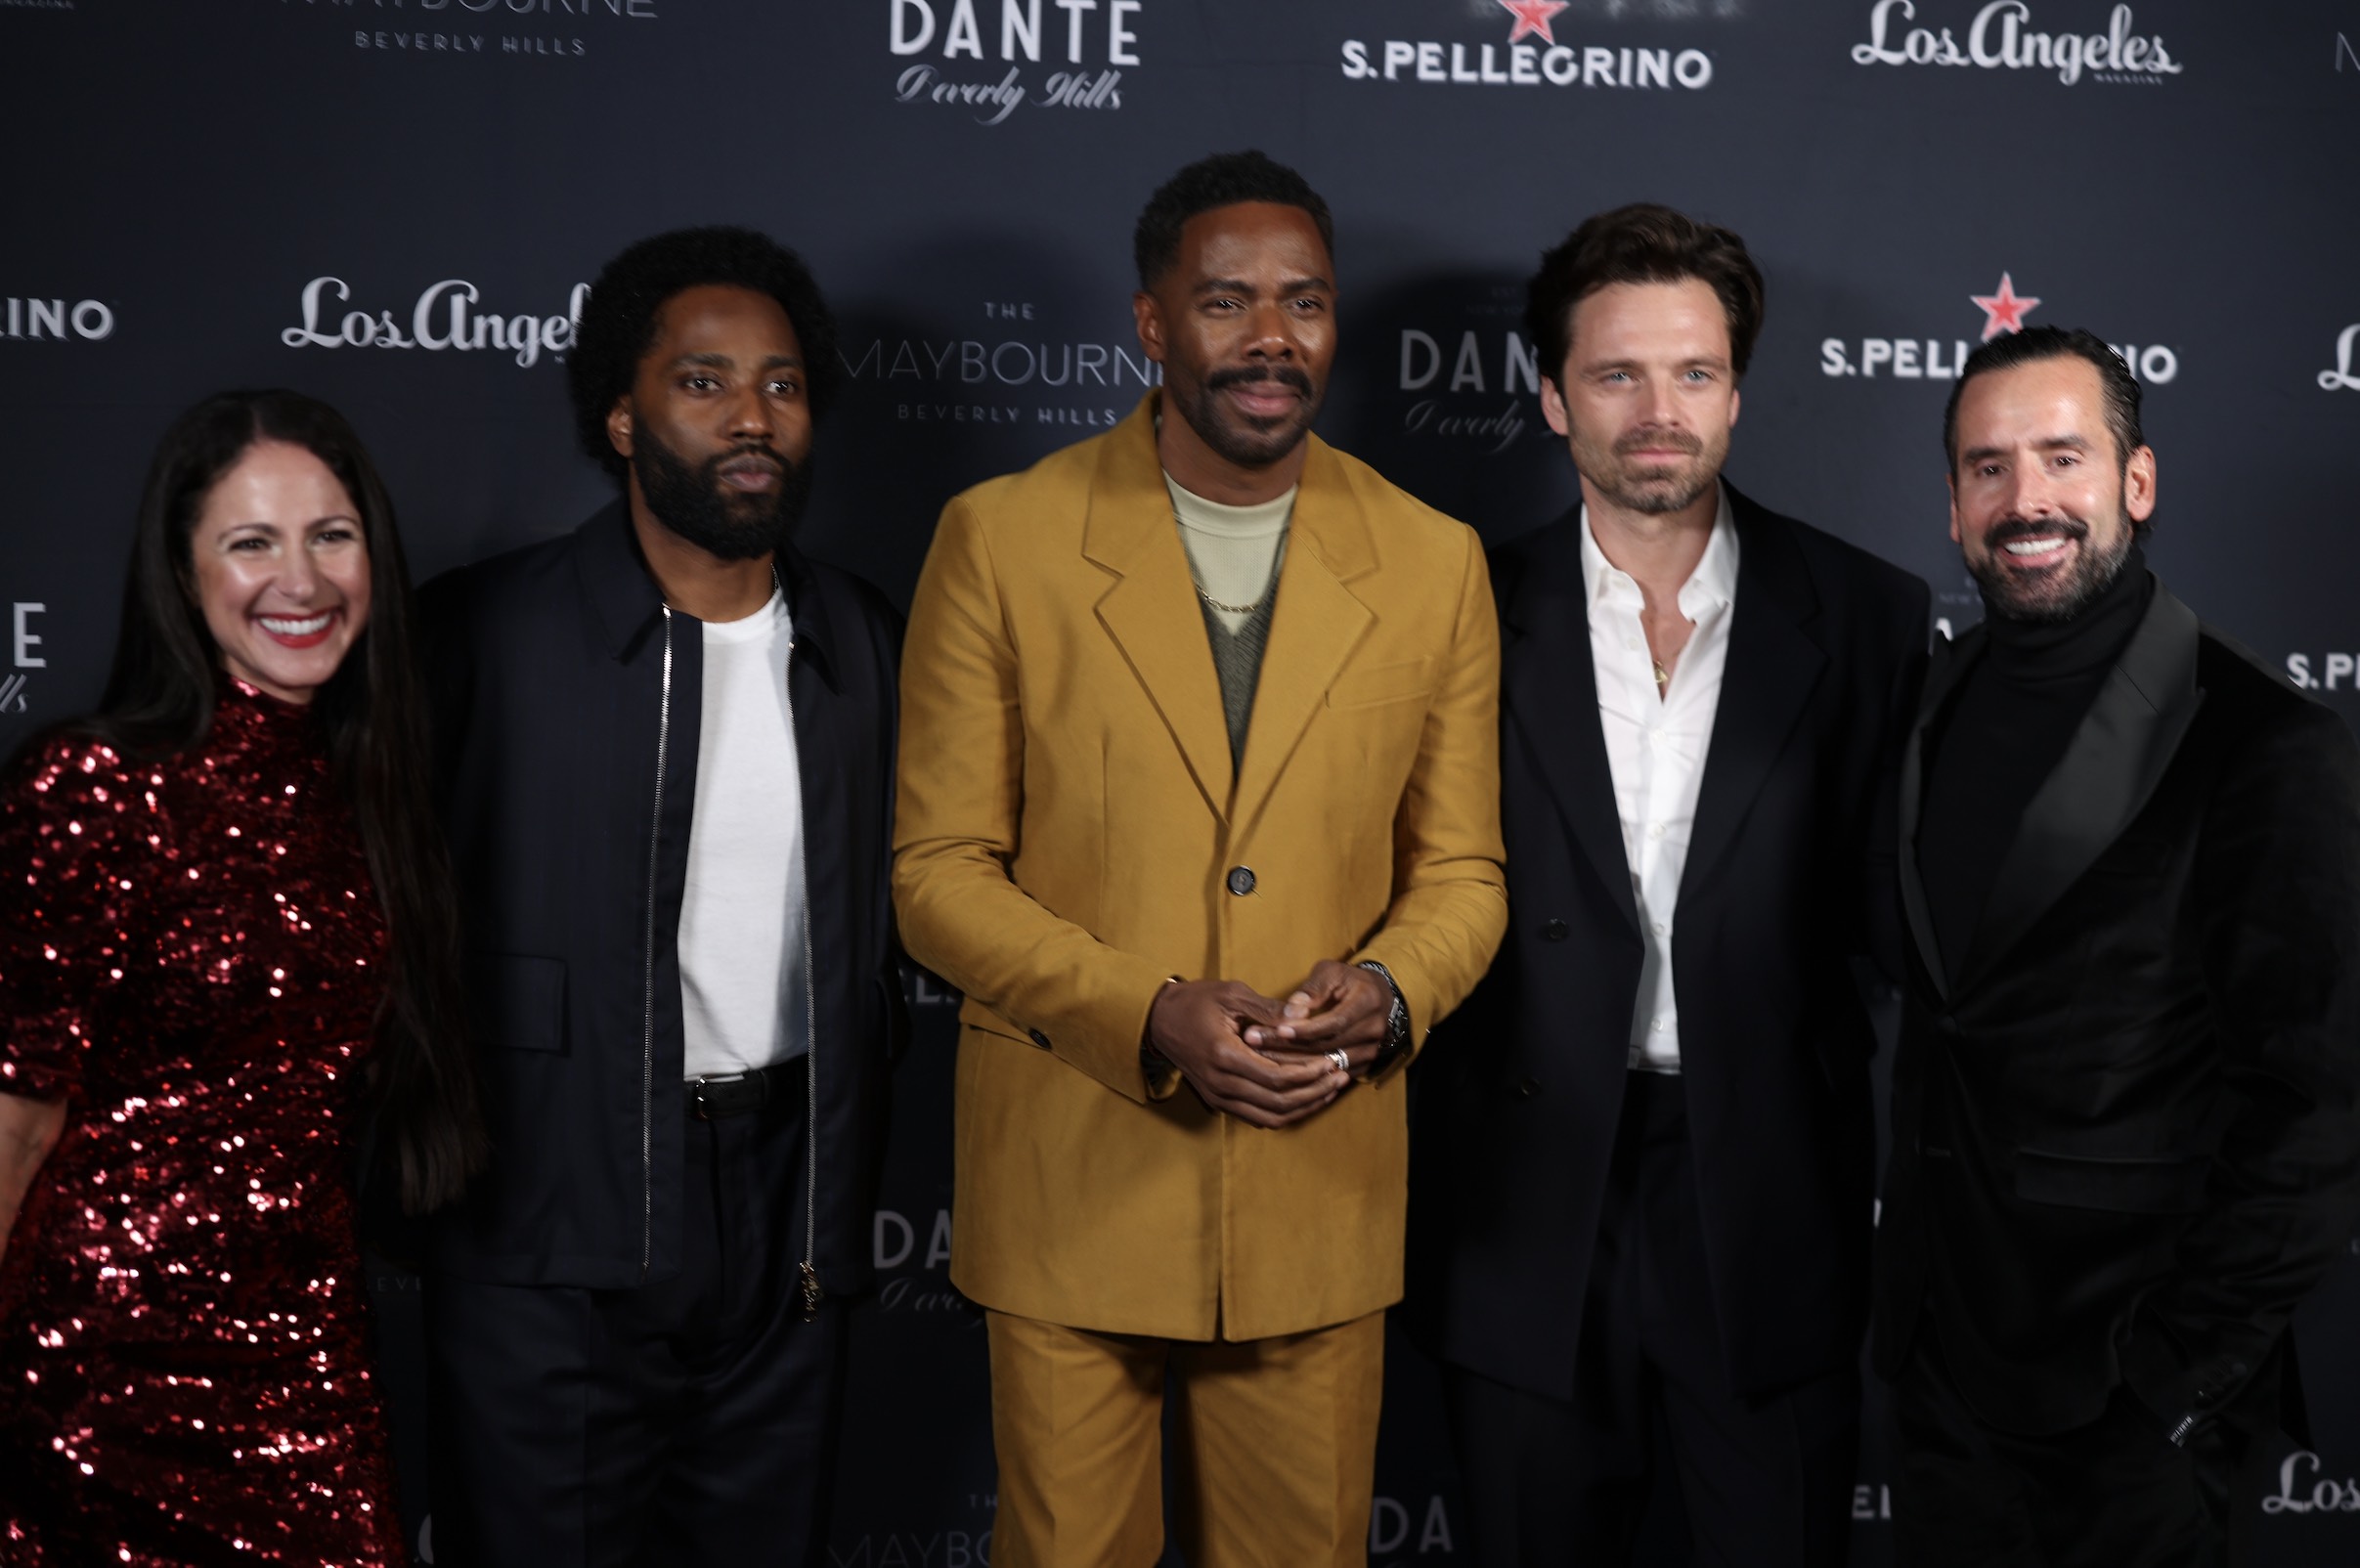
[1343,1062]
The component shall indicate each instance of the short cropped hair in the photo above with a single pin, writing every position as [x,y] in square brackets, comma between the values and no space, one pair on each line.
[2035,343]
[1642,244]
[619,320]
[1221,181]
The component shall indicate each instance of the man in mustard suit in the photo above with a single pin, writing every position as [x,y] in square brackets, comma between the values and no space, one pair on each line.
[1199,806]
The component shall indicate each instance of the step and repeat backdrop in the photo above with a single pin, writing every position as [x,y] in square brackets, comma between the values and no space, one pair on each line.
[397,204]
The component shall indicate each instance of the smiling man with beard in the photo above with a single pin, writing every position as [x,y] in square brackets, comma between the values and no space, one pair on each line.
[2123,1134]
[665,749]
[1198,808]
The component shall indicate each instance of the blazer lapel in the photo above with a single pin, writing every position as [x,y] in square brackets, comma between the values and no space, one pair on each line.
[2109,769]
[1151,609]
[1315,625]
[1550,690]
[1771,666]
[1951,662]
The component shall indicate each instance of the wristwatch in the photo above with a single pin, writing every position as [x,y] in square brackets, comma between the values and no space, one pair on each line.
[1397,1023]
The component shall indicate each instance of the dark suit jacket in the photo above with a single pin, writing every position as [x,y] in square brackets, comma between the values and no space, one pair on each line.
[2124,1141]
[566,701]
[1516,1101]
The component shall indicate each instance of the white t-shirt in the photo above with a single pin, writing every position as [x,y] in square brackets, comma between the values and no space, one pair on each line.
[1233,552]
[742,919]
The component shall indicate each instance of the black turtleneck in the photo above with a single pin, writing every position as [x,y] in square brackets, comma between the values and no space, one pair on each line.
[2000,736]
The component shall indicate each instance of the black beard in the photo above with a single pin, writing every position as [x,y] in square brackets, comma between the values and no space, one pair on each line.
[692,503]
[1252,446]
[2092,574]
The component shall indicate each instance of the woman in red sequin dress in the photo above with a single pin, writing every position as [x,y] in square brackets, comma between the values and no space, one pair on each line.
[223,949]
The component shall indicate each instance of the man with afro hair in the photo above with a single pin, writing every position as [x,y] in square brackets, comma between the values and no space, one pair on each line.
[665,747]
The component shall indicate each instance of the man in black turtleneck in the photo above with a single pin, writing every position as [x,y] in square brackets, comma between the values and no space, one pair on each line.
[2124,1129]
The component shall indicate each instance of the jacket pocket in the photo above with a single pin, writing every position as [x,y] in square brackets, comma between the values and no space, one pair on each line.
[2166,1185]
[1386,682]
[518,1001]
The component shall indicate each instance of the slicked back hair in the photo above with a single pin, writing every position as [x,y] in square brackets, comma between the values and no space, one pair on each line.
[619,320]
[1642,244]
[1221,181]
[2035,343]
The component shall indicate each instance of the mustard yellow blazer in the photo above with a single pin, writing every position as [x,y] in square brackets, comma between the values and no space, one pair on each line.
[1066,831]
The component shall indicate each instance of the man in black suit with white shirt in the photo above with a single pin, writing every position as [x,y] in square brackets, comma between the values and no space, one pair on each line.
[2124,1141]
[1644,1156]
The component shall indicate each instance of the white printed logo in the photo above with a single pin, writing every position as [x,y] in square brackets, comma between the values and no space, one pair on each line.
[2340,378]
[1934,358]
[1087,34]
[2000,38]
[444,317]
[35,320]
[1521,63]
[2326,1496]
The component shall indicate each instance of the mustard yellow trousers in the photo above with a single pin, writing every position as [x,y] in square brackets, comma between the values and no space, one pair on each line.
[1275,1439]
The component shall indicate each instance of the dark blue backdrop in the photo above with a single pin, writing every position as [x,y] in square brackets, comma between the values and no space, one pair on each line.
[394,203]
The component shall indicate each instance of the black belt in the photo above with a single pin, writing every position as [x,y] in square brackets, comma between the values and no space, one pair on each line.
[736,1093]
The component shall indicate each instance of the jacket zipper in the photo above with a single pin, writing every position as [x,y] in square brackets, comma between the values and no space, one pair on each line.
[807,1283]
[648,1031]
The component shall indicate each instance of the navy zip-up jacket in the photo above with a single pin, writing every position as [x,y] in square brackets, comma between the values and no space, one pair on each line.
[566,700]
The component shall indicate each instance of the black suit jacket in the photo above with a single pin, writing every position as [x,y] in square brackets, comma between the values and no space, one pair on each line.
[1516,1100]
[2124,1141]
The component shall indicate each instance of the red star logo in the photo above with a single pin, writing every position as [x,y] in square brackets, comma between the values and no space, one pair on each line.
[1533,16]
[2003,311]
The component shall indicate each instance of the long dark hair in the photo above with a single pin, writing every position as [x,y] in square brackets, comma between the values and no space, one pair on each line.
[160,698]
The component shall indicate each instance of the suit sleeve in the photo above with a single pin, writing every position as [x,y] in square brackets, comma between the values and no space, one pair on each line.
[2279,878]
[1884,937]
[960,805]
[1449,891]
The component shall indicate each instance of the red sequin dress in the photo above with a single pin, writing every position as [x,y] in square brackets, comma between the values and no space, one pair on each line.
[189,954]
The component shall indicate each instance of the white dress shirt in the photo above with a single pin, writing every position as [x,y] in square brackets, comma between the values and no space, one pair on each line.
[741,936]
[1655,749]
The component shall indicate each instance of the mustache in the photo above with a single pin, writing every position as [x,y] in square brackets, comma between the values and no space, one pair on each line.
[2011,529]
[713,466]
[1657,436]
[1246,374]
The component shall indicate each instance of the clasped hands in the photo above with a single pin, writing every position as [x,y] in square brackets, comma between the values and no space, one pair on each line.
[1269,1062]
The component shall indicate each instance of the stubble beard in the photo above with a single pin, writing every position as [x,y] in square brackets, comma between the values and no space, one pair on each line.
[1653,491]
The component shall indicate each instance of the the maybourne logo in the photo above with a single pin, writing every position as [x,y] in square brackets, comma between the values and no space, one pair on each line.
[1530,56]
[35,320]
[444,317]
[546,30]
[1929,358]
[1016,375]
[2001,38]
[1086,43]
[2341,377]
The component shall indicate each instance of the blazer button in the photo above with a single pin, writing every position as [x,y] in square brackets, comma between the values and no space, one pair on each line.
[1039,1038]
[1527,1089]
[1241,880]
[1552,930]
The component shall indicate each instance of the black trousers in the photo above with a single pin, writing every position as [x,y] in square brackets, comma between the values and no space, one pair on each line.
[689,1422]
[2115,1493]
[1763,1482]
